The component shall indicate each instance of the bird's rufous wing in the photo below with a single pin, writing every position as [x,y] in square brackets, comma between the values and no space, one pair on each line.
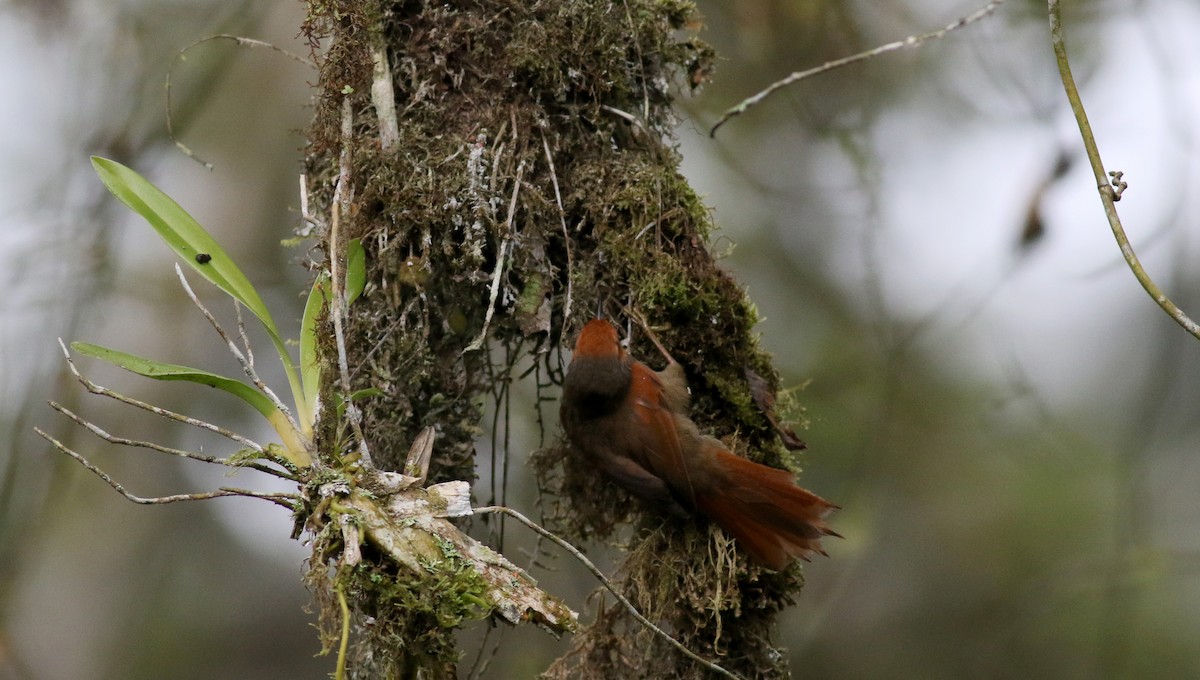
[660,439]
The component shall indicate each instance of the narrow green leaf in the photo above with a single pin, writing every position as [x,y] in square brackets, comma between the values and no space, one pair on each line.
[163,371]
[183,234]
[195,246]
[318,300]
[356,270]
[368,392]
[310,369]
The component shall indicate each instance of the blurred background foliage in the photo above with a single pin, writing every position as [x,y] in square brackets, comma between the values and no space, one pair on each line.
[1006,418]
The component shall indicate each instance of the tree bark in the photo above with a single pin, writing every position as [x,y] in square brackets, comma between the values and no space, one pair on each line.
[512,165]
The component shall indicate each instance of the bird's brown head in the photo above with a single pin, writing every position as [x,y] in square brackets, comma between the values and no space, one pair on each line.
[599,374]
[599,339]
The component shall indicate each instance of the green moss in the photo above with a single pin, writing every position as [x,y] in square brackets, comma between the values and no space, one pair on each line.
[449,594]
[540,132]
[408,615]
[405,613]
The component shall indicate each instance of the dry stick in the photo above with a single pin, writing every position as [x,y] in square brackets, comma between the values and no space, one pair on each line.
[383,95]
[122,441]
[608,586]
[180,56]
[626,116]
[562,218]
[305,215]
[241,324]
[286,500]
[477,343]
[641,321]
[1109,194]
[247,364]
[910,41]
[341,205]
[165,413]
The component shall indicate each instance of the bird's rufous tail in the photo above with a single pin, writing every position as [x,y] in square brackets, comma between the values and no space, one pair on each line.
[771,518]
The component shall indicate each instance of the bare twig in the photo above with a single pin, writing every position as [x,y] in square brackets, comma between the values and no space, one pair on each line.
[1109,184]
[165,413]
[628,117]
[641,321]
[287,500]
[182,56]
[342,197]
[562,218]
[383,96]
[910,41]
[112,439]
[241,324]
[310,219]
[247,363]
[304,214]
[497,274]
[608,586]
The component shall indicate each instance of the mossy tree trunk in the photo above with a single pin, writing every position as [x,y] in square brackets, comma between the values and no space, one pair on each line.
[510,165]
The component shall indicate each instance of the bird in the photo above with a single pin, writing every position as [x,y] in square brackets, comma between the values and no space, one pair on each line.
[631,422]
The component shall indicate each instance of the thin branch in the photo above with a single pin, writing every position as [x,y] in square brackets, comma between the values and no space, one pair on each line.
[122,441]
[247,363]
[181,56]
[304,214]
[241,325]
[627,117]
[608,586]
[1109,184]
[910,41]
[497,274]
[341,205]
[165,413]
[287,500]
[307,217]
[641,321]
[562,218]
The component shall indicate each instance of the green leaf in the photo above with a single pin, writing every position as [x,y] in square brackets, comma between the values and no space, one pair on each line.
[318,300]
[163,371]
[356,270]
[195,246]
[368,392]
[310,369]
[183,234]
